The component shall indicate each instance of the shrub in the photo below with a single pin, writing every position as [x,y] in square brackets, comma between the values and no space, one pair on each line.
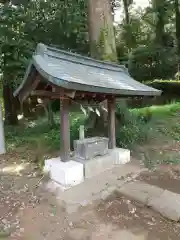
[134,128]
[151,62]
[167,86]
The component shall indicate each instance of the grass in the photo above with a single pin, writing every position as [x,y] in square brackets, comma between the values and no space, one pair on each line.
[38,132]
[164,144]
[160,111]
[163,128]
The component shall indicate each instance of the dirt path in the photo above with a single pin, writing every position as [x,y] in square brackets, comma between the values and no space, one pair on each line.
[27,212]
[165,176]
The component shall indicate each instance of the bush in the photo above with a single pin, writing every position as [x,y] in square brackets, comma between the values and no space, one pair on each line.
[167,86]
[134,128]
[152,62]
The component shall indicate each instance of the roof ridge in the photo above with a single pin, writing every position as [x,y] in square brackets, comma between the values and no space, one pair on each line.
[108,67]
[42,49]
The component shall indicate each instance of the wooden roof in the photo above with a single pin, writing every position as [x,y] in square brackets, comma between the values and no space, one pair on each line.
[75,72]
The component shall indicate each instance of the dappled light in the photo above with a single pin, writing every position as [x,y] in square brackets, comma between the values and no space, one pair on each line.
[20,117]
[32,124]
[14,169]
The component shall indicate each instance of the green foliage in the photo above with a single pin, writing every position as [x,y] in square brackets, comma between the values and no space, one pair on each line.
[56,22]
[152,62]
[134,128]
[137,126]
[167,86]
[14,46]
[40,131]
[158,112]
[51,22]
[129,36]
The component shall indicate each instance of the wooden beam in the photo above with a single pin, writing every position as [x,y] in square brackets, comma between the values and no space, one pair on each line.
[111,123]
[65,130]
[43,93]
[30,88]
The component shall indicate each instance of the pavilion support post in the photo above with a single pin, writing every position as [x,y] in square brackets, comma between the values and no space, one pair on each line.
[111,123]
[65,130]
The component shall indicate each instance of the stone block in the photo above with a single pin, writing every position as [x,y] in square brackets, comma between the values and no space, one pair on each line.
[97,165]
[89,148]
[49,163]
[67,174]
[168,204]
[140,191]
[121,156]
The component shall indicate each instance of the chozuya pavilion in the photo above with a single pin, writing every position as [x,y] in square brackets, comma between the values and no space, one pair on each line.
[57,74]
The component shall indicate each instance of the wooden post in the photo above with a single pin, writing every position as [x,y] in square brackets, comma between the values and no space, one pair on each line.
[111,123]
[65,130]
[81,132]
[2,140]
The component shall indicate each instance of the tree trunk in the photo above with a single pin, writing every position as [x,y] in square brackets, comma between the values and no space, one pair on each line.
[9,105]
[49,112]
[177,11]
[50,115]
[102,41]
[101,30]
[159,13]
[126,11]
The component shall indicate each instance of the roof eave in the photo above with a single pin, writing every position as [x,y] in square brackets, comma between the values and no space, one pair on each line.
[94,89]
[28,71]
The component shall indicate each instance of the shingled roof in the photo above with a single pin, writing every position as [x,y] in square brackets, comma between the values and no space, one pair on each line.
[76,72]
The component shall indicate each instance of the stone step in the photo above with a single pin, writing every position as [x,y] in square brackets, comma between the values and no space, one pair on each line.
[160,200]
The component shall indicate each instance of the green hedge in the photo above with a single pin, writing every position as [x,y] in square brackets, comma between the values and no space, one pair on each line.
[152,62]
[167,86]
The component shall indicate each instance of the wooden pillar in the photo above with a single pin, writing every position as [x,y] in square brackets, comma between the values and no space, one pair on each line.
[2,139]
[65,130]
[111,123]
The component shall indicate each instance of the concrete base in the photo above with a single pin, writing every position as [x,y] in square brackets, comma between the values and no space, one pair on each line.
[74,172]
[121,156]
[94,189]
[67,174]
[100,164]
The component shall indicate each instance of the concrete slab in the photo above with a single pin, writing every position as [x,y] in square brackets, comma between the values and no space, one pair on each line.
[163,201]
[67,174]
[168,204]
[140,191]
[121,156]
[97,165]
[92,189]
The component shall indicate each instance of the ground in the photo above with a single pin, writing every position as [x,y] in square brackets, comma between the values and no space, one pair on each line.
[29,212]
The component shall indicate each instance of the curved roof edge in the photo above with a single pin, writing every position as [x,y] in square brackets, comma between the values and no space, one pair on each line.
[40,60]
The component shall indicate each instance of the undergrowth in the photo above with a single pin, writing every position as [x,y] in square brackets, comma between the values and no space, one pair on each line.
[135,127]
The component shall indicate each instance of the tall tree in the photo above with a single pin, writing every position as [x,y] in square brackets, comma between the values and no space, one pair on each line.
[102,42]
[177,19]
[159,12]
[24,25]
[101,30]
[126,5]
[13,47]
